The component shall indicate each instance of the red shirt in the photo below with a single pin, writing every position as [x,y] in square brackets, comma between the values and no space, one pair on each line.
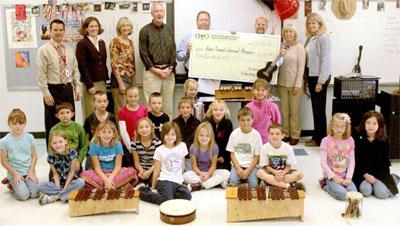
[131,118]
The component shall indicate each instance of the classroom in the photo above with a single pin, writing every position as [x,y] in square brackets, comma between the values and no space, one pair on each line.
[364,41]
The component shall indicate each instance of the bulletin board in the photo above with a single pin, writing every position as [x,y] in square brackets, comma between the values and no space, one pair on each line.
[20,59]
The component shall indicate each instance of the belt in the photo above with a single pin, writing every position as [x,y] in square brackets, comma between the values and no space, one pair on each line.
[161,66]
[59,85]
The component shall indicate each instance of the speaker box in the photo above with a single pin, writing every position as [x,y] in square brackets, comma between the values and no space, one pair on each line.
[355,108]
[390,109]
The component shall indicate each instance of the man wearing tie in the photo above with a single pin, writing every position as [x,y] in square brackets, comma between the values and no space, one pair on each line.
[56,70]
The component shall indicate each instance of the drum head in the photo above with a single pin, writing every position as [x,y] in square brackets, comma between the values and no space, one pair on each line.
[177,207]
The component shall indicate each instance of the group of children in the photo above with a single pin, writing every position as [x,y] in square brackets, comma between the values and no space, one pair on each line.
[198,149]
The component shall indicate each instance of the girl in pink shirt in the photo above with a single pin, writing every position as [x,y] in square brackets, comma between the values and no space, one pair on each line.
[337,157]
[265,112]
[128,117]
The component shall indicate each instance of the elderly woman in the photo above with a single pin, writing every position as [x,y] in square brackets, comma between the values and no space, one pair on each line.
[91,55]
[122,55]
[290,84]
[318,72]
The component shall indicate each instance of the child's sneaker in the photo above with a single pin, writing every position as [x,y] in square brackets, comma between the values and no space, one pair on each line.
[136,188]
[194,187]
[322,182]
[298,186]
[224,184]
[46,199]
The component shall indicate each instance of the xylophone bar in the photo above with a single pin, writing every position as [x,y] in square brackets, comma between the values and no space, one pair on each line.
[86,202]
[244,192]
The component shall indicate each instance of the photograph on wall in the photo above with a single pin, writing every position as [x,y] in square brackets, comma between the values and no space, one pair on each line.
[21,33]
[45,32]
[72,15]
[109,5]
[22,59]
[307,7]
[134,6]
[97,7]
[124,5]
[146,7]
[365,4]
[321,4]
[36,10]
[381,6]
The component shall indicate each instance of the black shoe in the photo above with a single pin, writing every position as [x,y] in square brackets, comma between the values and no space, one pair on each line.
[298,186]
[286,139]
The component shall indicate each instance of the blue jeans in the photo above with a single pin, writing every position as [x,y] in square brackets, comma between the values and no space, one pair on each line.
[188,165]
[25,189]
[50,188]
[380,190]
[338,191]
[235,179]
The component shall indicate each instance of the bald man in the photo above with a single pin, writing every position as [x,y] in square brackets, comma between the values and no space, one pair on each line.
[261,25]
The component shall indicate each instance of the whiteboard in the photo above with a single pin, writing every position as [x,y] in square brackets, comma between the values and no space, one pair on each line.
[377,32]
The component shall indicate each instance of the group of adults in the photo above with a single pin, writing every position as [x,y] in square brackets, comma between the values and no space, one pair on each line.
[62,73]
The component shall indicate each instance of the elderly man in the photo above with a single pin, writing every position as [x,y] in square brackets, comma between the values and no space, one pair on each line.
[183,52]
[56,70]
[158,54]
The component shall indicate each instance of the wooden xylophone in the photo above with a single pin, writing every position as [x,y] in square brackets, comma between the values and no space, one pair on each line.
[88,202]
[263,202]
[234,91]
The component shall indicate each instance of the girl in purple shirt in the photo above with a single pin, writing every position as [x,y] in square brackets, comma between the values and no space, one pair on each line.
[204,155]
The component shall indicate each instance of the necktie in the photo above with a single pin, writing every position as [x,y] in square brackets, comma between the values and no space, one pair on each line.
[63,65]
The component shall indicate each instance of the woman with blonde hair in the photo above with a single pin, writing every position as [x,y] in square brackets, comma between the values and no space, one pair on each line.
[122,55]
[318,72]
[290,83]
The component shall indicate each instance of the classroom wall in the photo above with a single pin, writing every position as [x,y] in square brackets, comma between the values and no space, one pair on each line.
[31,101]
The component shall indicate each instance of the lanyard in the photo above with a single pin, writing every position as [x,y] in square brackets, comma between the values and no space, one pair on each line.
[60,53]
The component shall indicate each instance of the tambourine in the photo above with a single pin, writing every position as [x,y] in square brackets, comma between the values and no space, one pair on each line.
[177,211]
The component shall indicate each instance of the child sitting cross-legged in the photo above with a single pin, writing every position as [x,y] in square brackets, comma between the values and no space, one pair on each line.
[169,164]
[62,160]
[106,154]
[244,144]
[204,155]
[277,159]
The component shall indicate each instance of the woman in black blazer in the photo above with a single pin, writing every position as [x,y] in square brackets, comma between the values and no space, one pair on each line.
[91,55]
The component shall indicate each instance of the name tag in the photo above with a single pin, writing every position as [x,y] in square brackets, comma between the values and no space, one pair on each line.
[67,74]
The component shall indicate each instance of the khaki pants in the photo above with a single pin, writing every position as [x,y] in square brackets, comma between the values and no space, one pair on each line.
[152,83]
[290,110]
[87,106]
[119,101]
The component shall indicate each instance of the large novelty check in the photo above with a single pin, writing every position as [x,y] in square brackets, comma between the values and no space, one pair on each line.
[221,55]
